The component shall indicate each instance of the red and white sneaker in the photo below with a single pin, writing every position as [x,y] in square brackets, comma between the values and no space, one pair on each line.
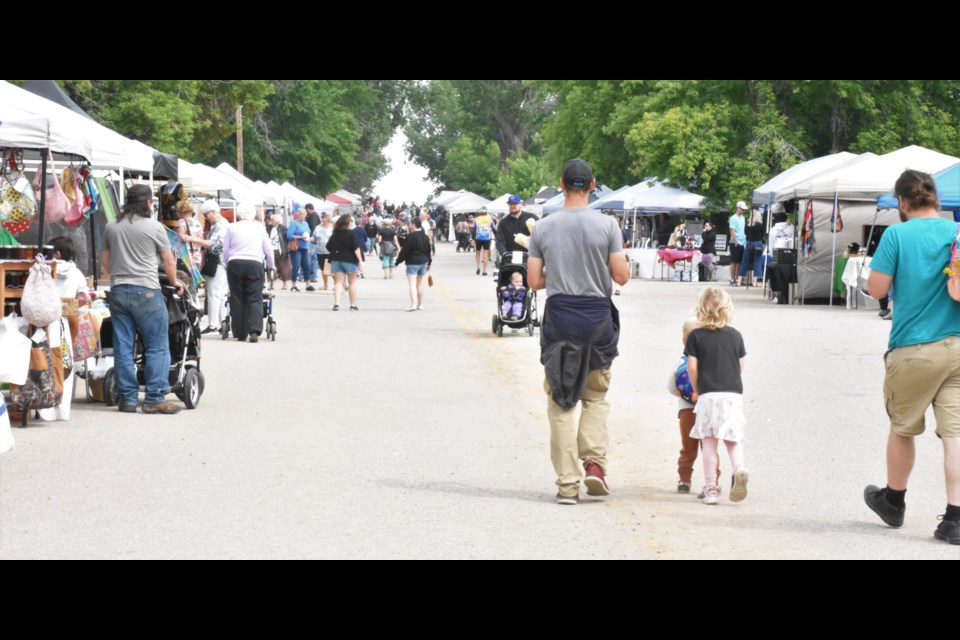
[595,481]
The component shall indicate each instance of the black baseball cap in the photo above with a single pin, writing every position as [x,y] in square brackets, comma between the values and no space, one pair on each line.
[577,173]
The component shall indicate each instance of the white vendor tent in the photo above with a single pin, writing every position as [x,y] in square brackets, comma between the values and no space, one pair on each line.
[782,186]
[854,189]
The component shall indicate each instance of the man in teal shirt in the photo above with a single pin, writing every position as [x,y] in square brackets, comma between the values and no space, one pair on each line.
[923,361]
[737,230]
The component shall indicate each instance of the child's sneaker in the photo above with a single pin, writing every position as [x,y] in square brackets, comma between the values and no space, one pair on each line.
[683,487]
[709,495]
[569,500]
[738,490]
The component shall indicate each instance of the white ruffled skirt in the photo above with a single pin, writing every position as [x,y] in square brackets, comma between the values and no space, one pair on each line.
[719,415]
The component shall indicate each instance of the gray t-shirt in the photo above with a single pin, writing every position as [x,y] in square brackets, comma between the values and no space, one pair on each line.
[135,245]
[575,246]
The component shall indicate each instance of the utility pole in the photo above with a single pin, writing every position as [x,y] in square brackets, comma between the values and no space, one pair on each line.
[240,139]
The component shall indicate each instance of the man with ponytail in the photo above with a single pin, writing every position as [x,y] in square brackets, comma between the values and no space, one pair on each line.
[923,357]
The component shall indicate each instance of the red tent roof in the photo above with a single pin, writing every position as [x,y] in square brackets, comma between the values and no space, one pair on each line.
[335,199]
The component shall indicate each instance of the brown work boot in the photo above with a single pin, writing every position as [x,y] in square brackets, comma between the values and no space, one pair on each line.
[161,407]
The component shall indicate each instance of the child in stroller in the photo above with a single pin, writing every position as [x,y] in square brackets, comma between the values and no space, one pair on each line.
[516,304]
[513,296]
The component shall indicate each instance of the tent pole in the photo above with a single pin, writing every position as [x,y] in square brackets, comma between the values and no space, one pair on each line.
[833,254]
[43,200]
[94,266]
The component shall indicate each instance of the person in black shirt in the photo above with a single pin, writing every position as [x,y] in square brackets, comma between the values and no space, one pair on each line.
[416,253]
[715,354]
[708,250]
[514,230]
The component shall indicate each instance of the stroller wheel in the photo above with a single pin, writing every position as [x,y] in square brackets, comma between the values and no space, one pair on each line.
[225,329]
[530,327]
[110,396]
[495,325]
[499,330]
[192,388]
[272,331]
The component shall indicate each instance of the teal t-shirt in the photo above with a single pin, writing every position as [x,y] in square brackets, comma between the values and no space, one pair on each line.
[915,253]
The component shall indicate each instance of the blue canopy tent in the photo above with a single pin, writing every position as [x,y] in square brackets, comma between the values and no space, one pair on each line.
[948,188]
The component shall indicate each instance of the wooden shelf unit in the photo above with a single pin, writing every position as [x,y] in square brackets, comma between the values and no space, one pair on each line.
[20,267]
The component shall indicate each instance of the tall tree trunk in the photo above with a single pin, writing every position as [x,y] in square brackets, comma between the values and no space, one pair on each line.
[510,137]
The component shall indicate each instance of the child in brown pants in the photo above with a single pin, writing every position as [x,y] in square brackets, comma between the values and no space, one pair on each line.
[679,385]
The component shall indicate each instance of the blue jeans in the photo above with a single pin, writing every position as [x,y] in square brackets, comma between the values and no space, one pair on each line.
[371,244]
[134,309]
[312,262]
[752,258]
[298,259]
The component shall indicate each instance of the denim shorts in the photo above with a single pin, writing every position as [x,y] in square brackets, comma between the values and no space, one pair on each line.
[340,266]
[417,269]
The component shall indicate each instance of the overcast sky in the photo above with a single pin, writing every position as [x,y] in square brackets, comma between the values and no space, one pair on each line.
[406,182]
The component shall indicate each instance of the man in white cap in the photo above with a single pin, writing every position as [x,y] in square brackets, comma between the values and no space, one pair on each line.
[737,230]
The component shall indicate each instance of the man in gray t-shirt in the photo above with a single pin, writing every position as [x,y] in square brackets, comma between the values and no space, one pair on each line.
[573,254]
[134,245]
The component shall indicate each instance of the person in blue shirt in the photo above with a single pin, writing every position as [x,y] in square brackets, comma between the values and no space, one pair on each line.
[923,360]
[737,229]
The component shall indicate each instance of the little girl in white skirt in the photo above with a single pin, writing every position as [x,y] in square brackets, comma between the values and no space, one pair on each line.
[715,355]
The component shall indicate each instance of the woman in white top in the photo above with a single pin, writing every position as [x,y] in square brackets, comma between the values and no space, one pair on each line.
[217,284]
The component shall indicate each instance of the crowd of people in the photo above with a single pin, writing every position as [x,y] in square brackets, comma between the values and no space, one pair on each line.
[578,259]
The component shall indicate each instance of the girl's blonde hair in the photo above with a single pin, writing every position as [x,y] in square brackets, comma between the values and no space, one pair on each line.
[756,218]
[715,309]
[688,328]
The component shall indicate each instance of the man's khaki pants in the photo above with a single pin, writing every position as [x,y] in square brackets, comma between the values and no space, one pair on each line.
[586,441]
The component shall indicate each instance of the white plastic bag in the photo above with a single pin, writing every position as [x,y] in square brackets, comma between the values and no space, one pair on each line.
[41,302]
[6,436]
[14,352]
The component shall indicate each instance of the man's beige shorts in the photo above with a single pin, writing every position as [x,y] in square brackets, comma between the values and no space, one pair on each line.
[920,375]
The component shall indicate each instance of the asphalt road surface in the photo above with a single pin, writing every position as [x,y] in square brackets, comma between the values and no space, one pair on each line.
[387,434]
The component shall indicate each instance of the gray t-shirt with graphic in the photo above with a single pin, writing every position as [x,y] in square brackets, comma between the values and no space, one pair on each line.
[575,246]
[135,244]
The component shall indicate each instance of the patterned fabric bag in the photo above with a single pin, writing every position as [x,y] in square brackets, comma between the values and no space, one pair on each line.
[16,197]
[40,390]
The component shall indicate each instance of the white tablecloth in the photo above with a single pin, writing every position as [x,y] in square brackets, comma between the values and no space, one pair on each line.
[645,261]
[852,271]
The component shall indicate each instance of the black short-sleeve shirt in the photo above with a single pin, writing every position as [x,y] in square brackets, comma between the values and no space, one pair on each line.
[718,353]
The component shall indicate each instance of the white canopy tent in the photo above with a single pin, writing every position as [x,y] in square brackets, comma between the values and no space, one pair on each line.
[782,186]
[854,190]
[108,149]
[24,129]
[467,203]
[499,205]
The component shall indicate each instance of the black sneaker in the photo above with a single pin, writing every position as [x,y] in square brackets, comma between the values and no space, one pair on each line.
[683,487]
[948,531]
[876,499]
[884,313]
[128,408]
[311,288]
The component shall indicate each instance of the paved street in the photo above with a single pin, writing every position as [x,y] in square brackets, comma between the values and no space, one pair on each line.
[386,434]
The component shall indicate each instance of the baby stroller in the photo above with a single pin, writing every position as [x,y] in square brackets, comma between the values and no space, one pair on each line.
[515,262]
[269,323]
[186,379]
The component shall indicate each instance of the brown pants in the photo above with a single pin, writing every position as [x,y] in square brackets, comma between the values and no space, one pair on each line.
[689,447]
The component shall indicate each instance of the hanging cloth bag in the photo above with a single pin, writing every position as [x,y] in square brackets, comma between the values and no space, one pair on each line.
[56,205]
[41,303]
[17,202]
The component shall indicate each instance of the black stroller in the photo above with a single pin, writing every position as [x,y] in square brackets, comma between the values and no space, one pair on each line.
[515,262]
[186,379]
